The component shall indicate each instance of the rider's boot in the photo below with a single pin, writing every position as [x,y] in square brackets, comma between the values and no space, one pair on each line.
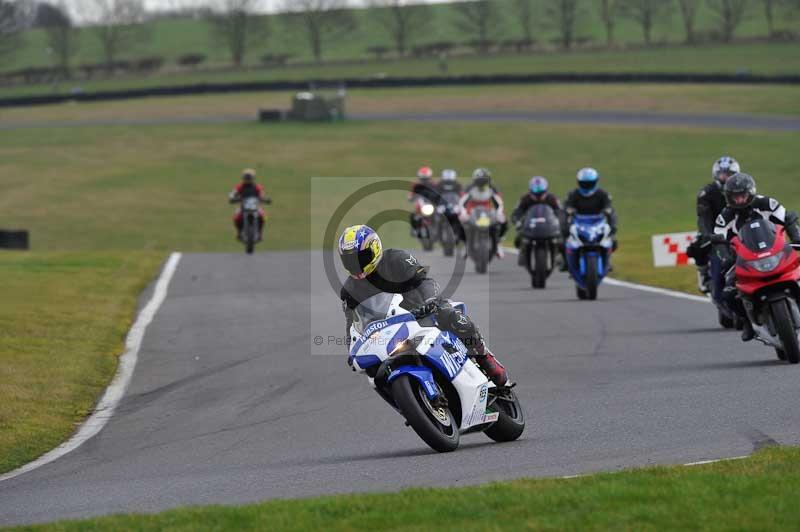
[521,257]
[494,370]
[500,253]
[563,267]
[747,332]
[703,279]
[486,360]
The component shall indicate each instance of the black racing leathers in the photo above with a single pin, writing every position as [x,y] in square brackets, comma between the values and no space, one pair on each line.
[529,200]
[447,187]
[426,190]
[399,272]
[597,203]
[710,204]
[730,220]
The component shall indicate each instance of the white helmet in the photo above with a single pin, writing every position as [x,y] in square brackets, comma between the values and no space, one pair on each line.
[724,165]
[449,175]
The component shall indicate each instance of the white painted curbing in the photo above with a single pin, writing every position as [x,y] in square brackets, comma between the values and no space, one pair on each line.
[116,390]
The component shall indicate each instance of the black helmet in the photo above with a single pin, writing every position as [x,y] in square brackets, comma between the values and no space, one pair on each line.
[481,177]
[740,191]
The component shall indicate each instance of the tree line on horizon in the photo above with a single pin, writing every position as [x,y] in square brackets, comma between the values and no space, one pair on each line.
[120,25]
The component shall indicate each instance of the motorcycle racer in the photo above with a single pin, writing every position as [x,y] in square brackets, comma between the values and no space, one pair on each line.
[589,199]
[743,204]
[447,186]
[481,192]
[710,203]
[248,188]
[374,270]
[423,187]
[538,192]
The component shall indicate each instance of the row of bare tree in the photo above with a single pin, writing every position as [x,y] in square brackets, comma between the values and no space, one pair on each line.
[119,25]
[567,16]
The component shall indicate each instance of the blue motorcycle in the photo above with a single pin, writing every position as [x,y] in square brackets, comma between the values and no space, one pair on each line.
[589,248]
[427,375]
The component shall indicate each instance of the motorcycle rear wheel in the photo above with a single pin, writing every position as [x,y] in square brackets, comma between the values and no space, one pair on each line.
[410,398]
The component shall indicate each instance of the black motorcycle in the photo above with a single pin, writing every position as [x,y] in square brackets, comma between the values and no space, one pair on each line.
[447,222]
[540,237]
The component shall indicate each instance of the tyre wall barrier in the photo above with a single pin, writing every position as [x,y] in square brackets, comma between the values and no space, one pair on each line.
[14,240]
[399,82]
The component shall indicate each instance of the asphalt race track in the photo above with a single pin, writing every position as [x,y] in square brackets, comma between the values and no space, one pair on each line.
[227,405]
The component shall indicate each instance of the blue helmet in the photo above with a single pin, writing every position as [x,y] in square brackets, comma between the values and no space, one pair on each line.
[538,185]
[588,178]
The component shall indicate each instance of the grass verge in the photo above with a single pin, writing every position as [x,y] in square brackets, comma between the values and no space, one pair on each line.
[749,494]
[63,319]
[106,195]
[747,99]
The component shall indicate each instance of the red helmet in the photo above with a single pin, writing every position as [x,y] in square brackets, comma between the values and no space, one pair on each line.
[425,173]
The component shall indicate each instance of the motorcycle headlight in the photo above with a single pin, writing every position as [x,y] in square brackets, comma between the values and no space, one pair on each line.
[483,221]
[427,209]
[766,264]
[406,346]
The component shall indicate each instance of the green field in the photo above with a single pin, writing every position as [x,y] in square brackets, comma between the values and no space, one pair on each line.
[774,58]
[751,494]
[106,195]
[665,98]
[173,38]
[63,319]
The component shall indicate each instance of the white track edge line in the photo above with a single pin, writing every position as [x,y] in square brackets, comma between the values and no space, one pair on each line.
[116,390]
[640,287]
[664,292]
[690,464]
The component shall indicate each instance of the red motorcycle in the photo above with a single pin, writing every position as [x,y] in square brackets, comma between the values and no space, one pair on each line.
[767,275]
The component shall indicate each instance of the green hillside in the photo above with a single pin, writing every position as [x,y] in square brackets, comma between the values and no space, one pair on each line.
[171,38]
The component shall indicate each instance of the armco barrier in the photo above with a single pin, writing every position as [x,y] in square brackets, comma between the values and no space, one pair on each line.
[391,82]
[14,240]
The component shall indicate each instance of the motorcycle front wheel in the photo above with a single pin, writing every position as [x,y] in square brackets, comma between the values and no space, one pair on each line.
[435,425]
[540,261]
[592,280]
[510,422]
[784,325]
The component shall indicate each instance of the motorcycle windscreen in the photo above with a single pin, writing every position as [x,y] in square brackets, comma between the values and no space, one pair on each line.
[373,309]
[541,222]
[758,235]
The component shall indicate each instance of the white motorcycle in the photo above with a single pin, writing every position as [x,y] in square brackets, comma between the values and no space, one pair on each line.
[426,375]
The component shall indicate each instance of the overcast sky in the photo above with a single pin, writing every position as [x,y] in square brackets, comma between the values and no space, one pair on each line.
[269,5]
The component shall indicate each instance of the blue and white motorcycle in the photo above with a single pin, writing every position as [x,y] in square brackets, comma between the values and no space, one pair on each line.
[426,375]
[589,248]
